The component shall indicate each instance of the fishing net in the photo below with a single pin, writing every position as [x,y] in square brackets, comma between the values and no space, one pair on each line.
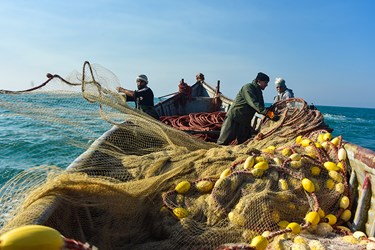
[146,185]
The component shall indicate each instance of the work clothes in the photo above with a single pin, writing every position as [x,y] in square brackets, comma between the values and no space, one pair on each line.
[237,123]
[286,94]
[144,100]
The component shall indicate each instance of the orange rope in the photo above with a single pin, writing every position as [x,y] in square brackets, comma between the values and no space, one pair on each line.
[76,245]
[198,122]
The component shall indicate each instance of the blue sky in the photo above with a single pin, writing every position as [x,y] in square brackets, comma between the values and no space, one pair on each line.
[324,49]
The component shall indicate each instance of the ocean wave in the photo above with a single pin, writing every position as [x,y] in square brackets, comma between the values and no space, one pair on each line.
[6,174]
[334,117]
[351,119]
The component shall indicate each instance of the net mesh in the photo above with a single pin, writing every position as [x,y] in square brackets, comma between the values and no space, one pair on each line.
[145,185]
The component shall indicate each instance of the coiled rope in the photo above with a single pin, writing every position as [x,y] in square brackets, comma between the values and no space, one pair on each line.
[205,126]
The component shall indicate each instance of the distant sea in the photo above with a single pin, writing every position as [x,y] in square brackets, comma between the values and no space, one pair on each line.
[26,143]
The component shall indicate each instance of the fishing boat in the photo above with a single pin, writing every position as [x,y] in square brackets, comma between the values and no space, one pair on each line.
[200,97]
[207,99]
[111,152]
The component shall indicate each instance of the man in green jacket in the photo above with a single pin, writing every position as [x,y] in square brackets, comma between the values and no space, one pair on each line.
[249,100]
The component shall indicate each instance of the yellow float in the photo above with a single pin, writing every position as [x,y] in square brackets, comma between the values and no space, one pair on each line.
[32,237]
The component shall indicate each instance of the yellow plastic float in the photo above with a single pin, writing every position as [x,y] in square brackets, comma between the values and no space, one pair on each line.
[32,237]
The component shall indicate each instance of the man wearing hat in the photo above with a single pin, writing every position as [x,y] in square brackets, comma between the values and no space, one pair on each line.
[283,92]
[199,77]
[143,96]
[249,100]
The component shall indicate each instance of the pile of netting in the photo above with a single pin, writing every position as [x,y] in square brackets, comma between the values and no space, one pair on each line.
[146,185]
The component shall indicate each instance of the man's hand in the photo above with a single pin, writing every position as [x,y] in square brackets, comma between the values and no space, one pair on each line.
[272,115]
[275,118]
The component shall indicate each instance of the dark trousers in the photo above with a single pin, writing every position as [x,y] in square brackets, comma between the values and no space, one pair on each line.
[231,130]
[151,112]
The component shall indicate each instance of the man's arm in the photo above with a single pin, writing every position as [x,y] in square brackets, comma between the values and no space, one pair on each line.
[252,98]
[130,94]
[126,91]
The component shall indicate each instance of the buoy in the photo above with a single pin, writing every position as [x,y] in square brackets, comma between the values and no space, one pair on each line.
[318,145]
[259,242]
[321,213]
[204,186]
[286,152]
[327,136]
[225,173]
[335,141]
[332,219]
[32,237]
[312,217]
[237,219]
[340,188]
[335,176]
[283,224]
[321,138]
[308,185]
[283,184]
[315,170]
[180,212]
[341,154]
[295,164]
[183,187]
[249,162]
[331,166]
[299,139]
[295,157]
[263,165]
[344,202]
[295,227]
[305,142]
[257,172]
[346,215]
[277,161]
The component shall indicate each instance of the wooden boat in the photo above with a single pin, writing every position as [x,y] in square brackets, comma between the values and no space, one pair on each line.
[201,97]
[207,99]
[204,98]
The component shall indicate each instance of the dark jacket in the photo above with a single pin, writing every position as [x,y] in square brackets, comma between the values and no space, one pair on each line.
[248,101]
[144,100]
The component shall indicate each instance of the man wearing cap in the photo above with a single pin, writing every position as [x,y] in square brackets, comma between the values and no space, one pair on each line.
[199,77]
[249,100]
[283,92]
[143,96]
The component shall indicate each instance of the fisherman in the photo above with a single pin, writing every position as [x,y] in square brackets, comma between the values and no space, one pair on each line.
[199,77]
[200,80]
[249,100]
[283,92]
[143,96]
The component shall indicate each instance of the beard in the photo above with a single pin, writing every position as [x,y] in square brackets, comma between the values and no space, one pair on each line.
[141,86]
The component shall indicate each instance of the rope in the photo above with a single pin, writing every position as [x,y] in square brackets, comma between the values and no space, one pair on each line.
[296,116]
[205,122]
[49,76]
[71,244]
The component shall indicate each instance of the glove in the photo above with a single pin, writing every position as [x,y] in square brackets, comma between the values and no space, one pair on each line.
[275,118]
[270,114]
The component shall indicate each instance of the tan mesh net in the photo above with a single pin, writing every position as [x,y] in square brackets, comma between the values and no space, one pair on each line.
[149,186]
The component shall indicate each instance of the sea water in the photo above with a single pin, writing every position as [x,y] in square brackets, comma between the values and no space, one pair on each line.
[26,142]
